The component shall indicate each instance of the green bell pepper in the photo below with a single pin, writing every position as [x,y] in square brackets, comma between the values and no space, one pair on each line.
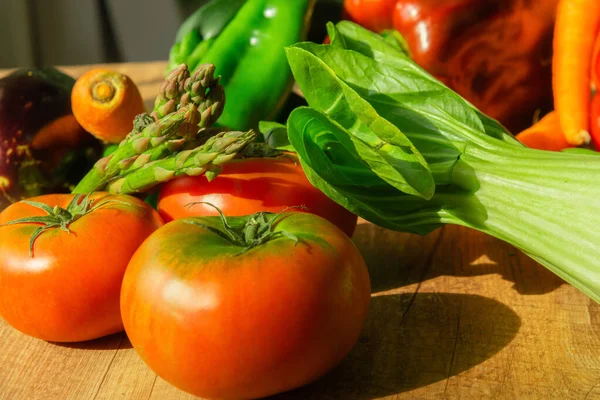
[197,33]
[248,53]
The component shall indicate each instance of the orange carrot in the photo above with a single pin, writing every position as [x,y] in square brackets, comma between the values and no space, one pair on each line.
[595,121]
[546,134]
[576,28]
[53,140]
[63,131]
[105,103]
[596,65]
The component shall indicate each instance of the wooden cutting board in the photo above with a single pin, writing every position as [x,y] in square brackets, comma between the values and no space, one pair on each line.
[454,315]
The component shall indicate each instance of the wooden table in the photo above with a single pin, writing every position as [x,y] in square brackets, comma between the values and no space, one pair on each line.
[455,315]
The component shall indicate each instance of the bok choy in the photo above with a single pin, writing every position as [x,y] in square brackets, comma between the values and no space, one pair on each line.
[392,144]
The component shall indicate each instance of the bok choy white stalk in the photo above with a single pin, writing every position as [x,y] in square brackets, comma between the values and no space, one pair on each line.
[394,145]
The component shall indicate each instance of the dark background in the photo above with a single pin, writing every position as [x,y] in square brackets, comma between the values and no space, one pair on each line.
[70,32]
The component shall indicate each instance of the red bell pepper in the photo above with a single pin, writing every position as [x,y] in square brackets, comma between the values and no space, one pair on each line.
[495,53]
[375,15]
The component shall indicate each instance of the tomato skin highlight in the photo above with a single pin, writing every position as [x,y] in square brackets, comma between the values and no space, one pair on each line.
[251,185]
[69,290]
[220,324]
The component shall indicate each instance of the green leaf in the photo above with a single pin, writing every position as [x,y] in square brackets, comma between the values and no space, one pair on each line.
[275,135]
[432,117]
[359,129]
[400,84]
[529,198]
[348,35]
[381,205]
[317,139]
[414,80]
[395,39]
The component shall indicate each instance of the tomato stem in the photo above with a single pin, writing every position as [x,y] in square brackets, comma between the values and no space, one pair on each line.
[58,217]
[257,230]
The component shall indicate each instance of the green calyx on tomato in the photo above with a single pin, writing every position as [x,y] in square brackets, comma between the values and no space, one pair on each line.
[255,230]
[57,217]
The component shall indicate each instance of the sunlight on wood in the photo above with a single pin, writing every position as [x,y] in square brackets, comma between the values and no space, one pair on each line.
[483,259]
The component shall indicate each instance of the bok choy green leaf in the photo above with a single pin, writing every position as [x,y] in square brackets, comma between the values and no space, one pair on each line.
[392,144]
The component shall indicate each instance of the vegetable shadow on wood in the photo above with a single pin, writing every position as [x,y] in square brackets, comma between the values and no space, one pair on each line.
[411,342]
[397,259]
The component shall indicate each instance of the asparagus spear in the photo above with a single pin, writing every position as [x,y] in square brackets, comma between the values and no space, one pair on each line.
[142,145]
[185,108]
[179,89]
[207,158]
[170,92]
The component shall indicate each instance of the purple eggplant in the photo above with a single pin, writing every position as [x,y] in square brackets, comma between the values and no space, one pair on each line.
[42,147]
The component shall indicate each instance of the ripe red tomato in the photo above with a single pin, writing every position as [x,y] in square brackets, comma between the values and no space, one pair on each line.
[221,322]
[375,15]
[68,288]
[248,186]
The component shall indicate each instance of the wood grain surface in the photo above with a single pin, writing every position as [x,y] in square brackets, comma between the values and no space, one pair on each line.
[454,315]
